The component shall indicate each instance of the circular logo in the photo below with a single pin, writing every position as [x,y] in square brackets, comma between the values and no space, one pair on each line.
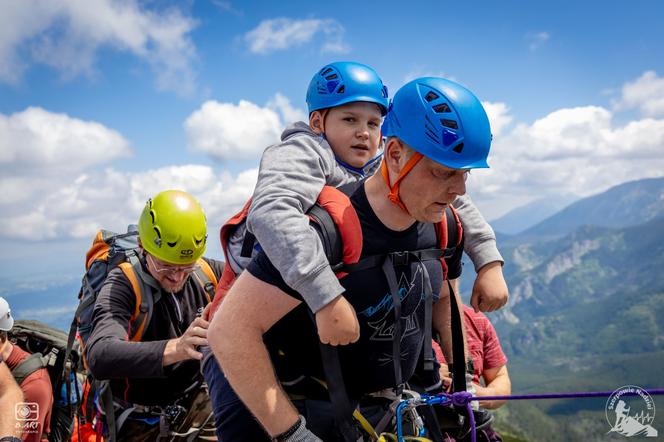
[630,411]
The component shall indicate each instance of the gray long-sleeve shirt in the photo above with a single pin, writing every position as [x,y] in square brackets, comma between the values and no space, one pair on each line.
[291,176]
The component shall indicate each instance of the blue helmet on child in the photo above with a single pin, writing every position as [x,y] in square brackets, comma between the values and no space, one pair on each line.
[345,82]
[442,120]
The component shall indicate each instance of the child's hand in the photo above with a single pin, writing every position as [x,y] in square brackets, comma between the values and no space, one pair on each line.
[337,323]
[490,289]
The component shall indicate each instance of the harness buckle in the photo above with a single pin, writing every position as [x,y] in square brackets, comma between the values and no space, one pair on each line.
[400,258]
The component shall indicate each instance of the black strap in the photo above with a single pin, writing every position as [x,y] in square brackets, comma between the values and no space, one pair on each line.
[458,352]
[388,270]
[336,387]
[29,365]
[428,322]
[247,244]
[398,258]
[433,425]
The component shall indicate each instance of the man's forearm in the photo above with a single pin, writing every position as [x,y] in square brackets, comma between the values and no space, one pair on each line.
[442,320]
[248,368]
[499,385]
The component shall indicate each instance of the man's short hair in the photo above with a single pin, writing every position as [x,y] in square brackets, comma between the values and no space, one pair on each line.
[3,337]
[408,151]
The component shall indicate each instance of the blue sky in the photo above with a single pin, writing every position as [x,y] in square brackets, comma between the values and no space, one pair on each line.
[103,103]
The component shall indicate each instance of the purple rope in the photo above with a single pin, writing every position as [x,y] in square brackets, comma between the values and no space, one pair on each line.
[460,398]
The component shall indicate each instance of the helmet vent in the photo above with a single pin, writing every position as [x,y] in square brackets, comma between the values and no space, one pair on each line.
[430,96]
[331,77]
[326,71]
[152,216]
[450,123]
[172,244]
[458,148]
[341,90]
[441,108]
[156,230]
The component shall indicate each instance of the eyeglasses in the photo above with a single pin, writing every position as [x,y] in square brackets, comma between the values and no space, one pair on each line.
[165,269]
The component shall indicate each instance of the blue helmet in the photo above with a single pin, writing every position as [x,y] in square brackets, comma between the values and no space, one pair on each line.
[442,120]
[345,82]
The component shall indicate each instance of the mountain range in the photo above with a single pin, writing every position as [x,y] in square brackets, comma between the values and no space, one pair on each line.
[586,311]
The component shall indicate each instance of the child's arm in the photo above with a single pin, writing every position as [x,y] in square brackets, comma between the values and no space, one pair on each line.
[490,290]
[292,175]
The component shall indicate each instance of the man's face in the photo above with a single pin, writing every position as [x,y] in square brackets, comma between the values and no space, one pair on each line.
[353,131]
[170,276]
[429,188]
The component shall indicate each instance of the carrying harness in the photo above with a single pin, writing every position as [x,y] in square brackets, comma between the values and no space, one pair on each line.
[340,233]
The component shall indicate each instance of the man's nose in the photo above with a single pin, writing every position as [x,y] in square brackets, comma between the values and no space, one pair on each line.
[458,185]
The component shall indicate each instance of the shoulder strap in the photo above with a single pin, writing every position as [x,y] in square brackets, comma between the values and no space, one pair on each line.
[340,228]
[144,300]
[31,364]
[230,225]
[206,278]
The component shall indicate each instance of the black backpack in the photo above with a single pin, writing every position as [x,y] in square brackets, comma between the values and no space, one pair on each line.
[48,348]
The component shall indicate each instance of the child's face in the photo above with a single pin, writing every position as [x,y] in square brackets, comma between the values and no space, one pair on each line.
[353,131]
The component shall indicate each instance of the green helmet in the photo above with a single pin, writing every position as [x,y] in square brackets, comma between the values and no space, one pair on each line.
[172,227]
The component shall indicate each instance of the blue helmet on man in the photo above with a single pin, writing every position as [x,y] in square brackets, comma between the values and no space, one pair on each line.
[442,120]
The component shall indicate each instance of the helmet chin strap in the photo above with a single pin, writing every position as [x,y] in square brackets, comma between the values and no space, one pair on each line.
[393,196]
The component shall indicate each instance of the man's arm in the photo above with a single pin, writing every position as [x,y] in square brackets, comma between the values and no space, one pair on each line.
[442,319]
[490,290]
[236,338]
[497,381]
[109,352]
[10,395]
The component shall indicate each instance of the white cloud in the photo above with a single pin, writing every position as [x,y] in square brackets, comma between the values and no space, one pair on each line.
[67,35]
[499,117]
[283,33]
[53,186]
[228,131]
[289,114]
[580,151]
[645,93]
[76,208]
[537,39]
[36,141]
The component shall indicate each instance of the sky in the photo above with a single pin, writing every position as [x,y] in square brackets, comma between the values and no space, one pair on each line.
[104,103]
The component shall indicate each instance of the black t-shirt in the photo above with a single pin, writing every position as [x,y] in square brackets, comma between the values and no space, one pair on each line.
[367,365]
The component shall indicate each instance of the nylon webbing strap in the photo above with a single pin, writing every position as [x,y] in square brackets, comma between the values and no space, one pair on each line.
[106,397]
[407,257]
[434,426]
[428,309]
[29,365]
[458,353]
[247,244]
[388,270]
[336,388]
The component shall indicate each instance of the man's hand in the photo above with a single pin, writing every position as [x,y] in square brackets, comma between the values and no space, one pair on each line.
[337,323]
[185,347]
[490,289]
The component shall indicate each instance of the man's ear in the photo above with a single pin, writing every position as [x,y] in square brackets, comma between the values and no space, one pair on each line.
[394,154]
[140,244]
[317,121]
